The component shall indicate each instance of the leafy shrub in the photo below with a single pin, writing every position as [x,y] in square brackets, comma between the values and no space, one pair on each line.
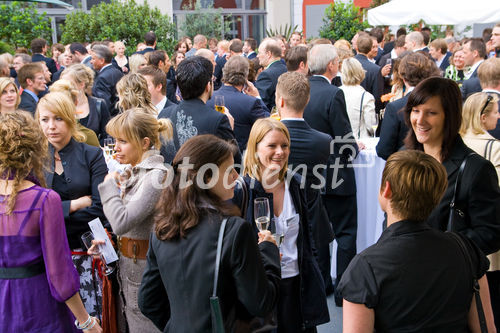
[342,20]
[126,21]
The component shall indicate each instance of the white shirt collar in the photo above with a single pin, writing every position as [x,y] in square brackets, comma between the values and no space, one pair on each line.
[473,67]
[393,53]
[161,104]
[104,67]
[324,77]
[293,119]
[491,90]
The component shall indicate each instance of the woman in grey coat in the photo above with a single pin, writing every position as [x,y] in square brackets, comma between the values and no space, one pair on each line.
[129,200]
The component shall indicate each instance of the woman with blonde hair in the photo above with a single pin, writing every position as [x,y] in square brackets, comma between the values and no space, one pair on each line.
[74,171]
[120,61]
[133,92]
[302,301]
[92,112]
[360,104]
[9,95]
[480,115]
[35,257]
[136,62]
[129,199]
[68,88]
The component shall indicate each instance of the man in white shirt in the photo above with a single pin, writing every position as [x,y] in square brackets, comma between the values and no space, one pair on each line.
[156,79]
[414,41]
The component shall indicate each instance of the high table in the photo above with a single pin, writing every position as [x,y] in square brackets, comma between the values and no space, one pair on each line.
[368,169]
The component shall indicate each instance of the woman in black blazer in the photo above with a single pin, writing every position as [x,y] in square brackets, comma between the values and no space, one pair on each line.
[433,115]
[92,112]
[302,303]
[75,171]
[178,280]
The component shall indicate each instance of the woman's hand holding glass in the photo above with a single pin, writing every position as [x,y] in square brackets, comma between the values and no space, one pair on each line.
[92,246]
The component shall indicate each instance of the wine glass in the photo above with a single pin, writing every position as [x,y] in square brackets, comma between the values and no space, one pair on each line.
[261,213]
[375,125]
[274,113]
[87,239]
[219,103]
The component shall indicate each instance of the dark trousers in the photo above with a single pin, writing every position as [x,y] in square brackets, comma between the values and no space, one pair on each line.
[494,285]
[343,214]
[289,313]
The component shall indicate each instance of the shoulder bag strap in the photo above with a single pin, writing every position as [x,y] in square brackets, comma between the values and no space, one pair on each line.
[217,258]
[488,148]
[244,195]
[360,112]
[456,190]
[477,295]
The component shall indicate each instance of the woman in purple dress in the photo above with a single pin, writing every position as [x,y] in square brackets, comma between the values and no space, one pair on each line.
[38,282]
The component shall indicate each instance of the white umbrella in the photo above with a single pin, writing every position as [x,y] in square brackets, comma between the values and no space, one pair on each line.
[442,12]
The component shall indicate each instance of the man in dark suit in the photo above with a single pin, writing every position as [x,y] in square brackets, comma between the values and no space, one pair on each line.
[32,80]
[20,59]
[326,112]
[373,82]
[156,79]
[474,54]
[241,98]
[39,48]
[107,77]
[220,61]
[80,54]
[296,59]
[269,58]
[309,148]
[192,116]
[414,42]
[150,41]
[389,46]
[249,48]
[489,76]
[438,49]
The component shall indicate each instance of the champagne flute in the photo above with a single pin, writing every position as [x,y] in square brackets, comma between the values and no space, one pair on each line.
[375,125]
[87,239]
[111,145]
[219,103]
[261,213]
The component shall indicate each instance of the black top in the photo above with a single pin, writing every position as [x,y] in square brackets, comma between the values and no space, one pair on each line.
[60,185]
[178,280]
[417,279]
[393,130]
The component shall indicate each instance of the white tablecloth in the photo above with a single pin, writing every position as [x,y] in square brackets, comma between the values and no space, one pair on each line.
[368,169]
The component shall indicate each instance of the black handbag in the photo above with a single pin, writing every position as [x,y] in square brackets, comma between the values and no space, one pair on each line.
[216,313]
[456,214]
[479,305]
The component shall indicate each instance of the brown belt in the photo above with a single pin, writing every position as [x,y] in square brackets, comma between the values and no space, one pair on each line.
[133,248]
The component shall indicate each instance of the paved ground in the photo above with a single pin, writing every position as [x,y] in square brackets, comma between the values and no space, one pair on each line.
[335,324]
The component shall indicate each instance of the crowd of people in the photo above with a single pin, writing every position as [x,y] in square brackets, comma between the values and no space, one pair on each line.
[182,157]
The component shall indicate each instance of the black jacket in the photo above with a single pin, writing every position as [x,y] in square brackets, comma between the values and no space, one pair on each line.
[51,64]
[28,103]
[245,110]
[98,117]
[311,148]
[373,82]
[105,87]
[267,81]
[312,290]
[393,130]
[178,280]
[84,169]
[326,112]
[470,86]
[193,117]
[478,198]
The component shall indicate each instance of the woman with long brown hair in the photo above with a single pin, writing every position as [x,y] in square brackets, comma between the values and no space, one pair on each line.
[178,280]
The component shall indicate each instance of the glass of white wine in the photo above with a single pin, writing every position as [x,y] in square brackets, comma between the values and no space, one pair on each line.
[219,103]
[261,213]
[375,125]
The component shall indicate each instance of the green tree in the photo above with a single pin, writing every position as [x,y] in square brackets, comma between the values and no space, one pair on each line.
[206,21]
[126,21]
[20,23]
[376,3]
[342,20]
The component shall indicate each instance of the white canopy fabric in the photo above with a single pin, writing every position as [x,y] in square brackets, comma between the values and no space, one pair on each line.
[442,12]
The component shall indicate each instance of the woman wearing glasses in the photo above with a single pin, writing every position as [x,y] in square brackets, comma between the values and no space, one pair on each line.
[480,115]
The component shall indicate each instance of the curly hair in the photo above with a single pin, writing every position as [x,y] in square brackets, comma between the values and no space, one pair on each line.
[133,93]
[79,74]
[23,151]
